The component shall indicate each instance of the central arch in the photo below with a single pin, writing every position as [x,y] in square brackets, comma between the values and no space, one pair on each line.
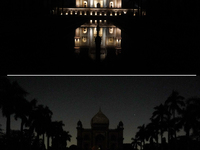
[98,5]
[100,142]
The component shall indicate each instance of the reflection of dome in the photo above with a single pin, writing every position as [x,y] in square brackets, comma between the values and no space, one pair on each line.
[99,120]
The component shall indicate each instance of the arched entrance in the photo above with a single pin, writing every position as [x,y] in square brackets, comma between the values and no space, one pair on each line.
[85,4]
[100,142]
[111,4]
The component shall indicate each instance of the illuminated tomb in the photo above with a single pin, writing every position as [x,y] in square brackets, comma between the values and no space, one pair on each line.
[99,137]
[97,8]
[85,38]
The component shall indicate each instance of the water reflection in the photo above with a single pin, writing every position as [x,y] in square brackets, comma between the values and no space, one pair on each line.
[85,39]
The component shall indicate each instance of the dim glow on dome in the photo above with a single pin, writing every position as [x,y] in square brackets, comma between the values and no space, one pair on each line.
[100,118]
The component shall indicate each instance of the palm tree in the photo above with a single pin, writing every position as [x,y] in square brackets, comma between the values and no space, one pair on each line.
[65,136]
[160,115]
[174,103]
[10,95]
[22,111]
[39,119]
[152,131]
[56,133]
[136,142]
[141,134]
[49,133]
[191,118]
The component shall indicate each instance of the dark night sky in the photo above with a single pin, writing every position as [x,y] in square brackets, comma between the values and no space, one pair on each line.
[127,99]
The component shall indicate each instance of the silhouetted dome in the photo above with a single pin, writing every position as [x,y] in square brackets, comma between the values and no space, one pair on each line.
[100,119]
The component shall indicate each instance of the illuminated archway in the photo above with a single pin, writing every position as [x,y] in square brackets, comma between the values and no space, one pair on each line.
[84,3]
[111,5]
[98,3]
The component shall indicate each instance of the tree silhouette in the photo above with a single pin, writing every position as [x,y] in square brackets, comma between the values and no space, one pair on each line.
[141,135]
[152,131]
[59,136]
[175,103]
[160,114]
[40,119]
[136,142]
[10,95]
[191,118]
[22,111]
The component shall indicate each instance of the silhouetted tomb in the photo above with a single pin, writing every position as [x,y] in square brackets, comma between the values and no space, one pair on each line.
[100,137]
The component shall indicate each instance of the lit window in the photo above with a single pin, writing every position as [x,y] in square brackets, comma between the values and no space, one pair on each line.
[120,13]
[76,40]
[104,14]
[66,13]
[61,13]
[110,39]
[111,4]
[90,13]
[80,12]
[100,20]
[115,13]
[71,13]
[104,20]
[95,21]
[134,14]
[85,13]
[124,12]
[95,13]
[84,30]
[85,3]
[90,21]
[100,14]
[110,30]
[76,13]
[84,39]
[110,14]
